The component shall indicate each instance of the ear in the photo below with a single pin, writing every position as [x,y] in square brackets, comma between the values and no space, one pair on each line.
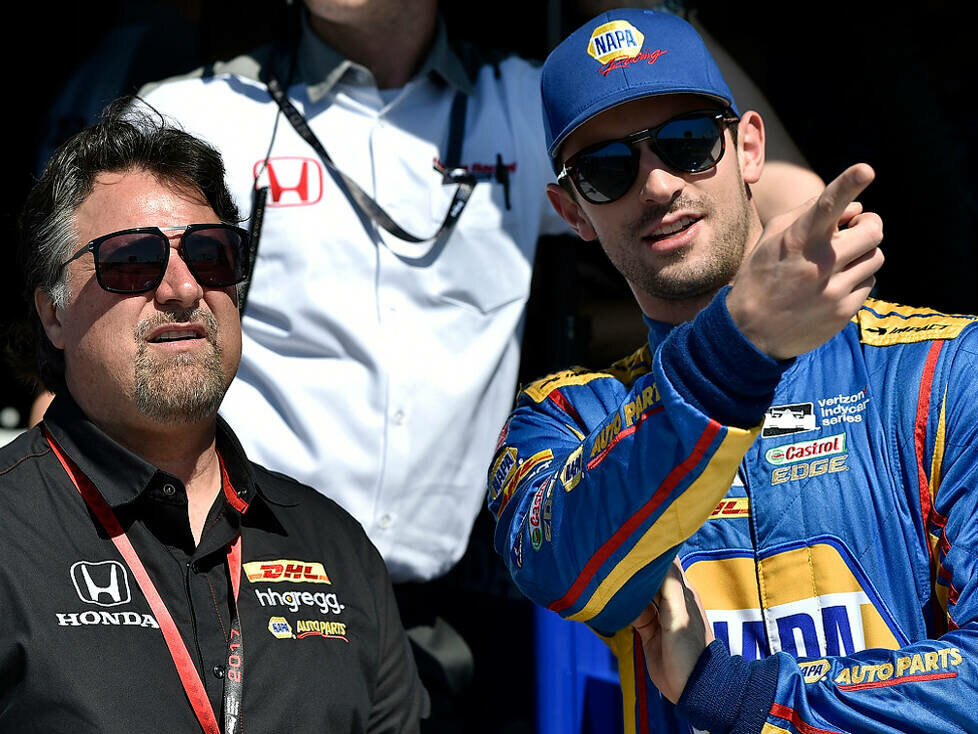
[571,212]
[50,319]
[750,146]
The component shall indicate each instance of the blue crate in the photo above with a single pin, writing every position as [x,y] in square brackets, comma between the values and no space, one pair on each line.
[577,687]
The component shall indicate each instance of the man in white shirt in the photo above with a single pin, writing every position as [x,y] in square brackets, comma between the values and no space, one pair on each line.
[376,369]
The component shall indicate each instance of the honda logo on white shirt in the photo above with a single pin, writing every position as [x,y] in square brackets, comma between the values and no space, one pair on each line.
[104,583]
[291,180]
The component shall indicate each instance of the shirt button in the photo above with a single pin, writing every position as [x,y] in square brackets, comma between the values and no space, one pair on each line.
[398,418]
[169,490]
[385,521]
[218,671]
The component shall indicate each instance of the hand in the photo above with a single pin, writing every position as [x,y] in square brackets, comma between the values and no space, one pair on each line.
[810,271]
[674,632]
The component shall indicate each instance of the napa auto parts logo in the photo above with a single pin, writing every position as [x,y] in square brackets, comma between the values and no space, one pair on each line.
[618,44]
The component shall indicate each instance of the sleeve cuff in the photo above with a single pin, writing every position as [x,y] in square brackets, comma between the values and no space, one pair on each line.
[726,694]
[714,366]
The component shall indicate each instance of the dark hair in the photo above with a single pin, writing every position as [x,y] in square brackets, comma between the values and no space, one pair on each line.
[128,136]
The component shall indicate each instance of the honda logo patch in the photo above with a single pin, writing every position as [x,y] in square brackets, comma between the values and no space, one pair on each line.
[104,583]
[291,180]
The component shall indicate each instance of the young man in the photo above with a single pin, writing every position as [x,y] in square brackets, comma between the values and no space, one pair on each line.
[802,449]
[142,555]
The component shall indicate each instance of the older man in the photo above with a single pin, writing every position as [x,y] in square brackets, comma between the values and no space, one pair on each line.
[152,578]
[807,452]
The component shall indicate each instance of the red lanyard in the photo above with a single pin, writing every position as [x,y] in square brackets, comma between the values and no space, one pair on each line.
[189,677]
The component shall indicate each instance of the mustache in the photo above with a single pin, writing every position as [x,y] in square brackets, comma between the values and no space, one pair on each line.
[651,214]
[183,316]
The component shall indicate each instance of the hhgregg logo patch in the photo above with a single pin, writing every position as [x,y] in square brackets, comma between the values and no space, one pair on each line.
[614,40]
[802,450]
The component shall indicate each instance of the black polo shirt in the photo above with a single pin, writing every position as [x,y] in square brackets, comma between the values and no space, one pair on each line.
[80,649]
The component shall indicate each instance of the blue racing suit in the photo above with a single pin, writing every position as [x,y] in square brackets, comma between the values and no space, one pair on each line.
[823,507]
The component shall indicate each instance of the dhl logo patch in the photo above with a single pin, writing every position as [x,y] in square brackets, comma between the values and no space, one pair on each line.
[731,507]
[285,570]
[883,324]
[614,40]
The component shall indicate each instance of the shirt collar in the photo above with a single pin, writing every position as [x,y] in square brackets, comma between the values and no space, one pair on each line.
[658,330]
[321,67]
[122,476]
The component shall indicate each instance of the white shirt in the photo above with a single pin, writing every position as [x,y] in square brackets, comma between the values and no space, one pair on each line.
[376,370]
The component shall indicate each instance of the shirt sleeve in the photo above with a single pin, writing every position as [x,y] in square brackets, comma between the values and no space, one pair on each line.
[599,476]
[926,686]
[400,701]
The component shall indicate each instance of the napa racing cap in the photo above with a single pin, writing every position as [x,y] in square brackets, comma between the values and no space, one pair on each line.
[620,56]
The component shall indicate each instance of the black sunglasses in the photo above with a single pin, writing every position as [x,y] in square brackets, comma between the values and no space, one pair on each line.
[134,260]
[690,143]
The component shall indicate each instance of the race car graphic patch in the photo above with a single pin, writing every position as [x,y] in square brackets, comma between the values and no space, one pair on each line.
[781,420]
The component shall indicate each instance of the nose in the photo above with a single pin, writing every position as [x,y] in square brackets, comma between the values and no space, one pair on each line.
[659,184]
[179,287]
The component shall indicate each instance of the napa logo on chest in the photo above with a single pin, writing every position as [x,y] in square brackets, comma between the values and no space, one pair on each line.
[613,40]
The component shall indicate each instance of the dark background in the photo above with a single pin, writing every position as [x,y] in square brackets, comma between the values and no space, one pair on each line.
[852,82]
[863,82]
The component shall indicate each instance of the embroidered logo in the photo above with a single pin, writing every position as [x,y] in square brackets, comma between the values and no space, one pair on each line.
[285,570]
[105,583]
[613,40]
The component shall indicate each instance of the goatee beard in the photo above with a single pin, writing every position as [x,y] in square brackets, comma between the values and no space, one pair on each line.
[179,388]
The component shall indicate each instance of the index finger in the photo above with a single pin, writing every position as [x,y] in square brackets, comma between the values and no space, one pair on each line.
[828,209]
